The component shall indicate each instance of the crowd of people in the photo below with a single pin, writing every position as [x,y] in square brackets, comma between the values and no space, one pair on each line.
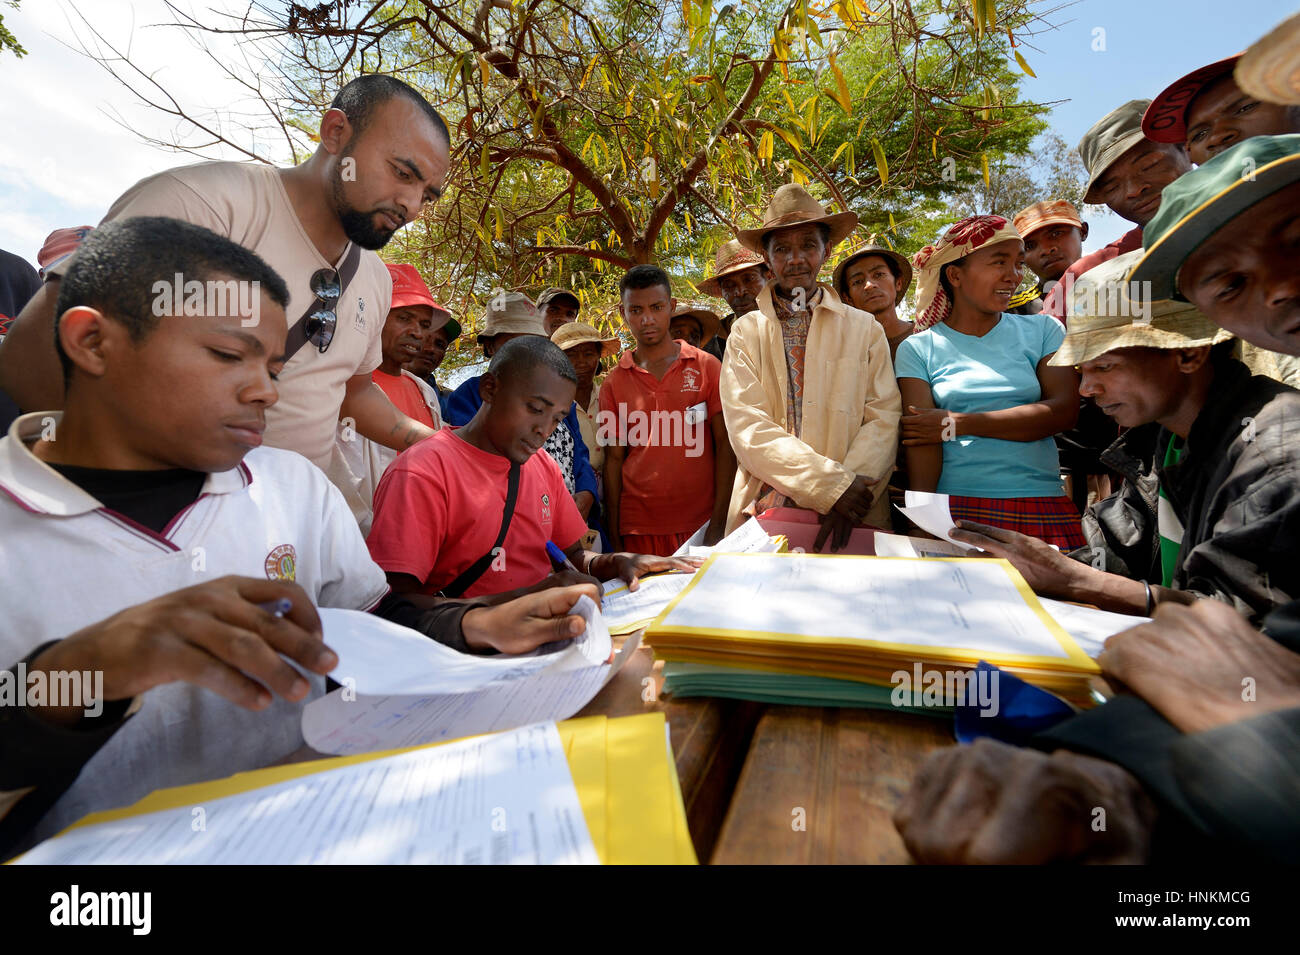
[203,472]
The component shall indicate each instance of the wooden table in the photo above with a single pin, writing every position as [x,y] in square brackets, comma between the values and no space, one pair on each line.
[764,783]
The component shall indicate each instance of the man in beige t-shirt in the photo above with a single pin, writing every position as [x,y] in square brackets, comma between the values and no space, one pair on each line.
[383,155]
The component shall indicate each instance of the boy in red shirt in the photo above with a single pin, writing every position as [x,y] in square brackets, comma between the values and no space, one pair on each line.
[439,510]
[668,464]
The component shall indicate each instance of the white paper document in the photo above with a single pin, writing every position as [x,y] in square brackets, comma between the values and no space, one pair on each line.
[898,545]
[1089,626]
[402,689]
[626,610]
[971,604]
[930,513]
[748,538]
[502,799]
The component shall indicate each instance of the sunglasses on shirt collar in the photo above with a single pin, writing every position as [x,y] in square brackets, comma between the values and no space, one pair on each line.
[322,321]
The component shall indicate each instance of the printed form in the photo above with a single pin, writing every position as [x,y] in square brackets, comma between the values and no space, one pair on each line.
[500,799]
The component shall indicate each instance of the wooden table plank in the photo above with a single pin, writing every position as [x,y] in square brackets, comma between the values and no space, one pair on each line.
[838,772]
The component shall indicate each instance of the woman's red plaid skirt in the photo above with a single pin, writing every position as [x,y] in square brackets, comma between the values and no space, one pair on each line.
[1051,519]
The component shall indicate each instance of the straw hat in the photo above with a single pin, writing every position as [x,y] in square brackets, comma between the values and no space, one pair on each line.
[710,323]
[791,206]
[1270,69]
[1102,317]
[732,257]
[1042,214]
[511,313]
[571,334]
[1109,138]
[839,282]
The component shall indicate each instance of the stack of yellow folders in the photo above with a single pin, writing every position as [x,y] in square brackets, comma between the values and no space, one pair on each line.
[586,790]
[867,619]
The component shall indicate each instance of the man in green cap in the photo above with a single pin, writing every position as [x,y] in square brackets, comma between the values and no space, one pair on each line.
[1226,240]
[875,279]
[1126,172]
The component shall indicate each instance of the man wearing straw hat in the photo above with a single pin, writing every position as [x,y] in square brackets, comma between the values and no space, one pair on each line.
[1185,752]
[587,350]
[875,279]
[739,275]
[807,386]
[1209,448]
[694,324]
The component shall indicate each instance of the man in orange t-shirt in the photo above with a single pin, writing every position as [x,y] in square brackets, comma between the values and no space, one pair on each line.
[668,462]
[412,317]
[439,509]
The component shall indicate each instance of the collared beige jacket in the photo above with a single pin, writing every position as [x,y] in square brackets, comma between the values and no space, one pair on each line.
[851,408]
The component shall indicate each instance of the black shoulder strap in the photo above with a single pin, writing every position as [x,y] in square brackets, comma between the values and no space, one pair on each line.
[297,336]
[476,570]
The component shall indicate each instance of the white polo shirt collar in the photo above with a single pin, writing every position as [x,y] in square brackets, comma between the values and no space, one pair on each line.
[39,488]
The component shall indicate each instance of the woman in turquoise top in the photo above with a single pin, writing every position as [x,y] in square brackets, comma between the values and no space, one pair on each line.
[981,403]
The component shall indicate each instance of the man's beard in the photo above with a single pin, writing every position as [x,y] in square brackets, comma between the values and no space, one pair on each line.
[359,226]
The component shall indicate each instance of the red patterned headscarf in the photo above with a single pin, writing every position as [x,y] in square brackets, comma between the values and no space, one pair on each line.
[971,233]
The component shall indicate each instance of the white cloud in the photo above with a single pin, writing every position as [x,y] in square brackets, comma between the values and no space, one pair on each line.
[67,157]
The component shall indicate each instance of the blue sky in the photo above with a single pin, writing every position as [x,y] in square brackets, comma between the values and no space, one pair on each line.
[1149,44]
[65,158]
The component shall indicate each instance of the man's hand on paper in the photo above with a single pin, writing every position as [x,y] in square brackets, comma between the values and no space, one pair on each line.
[632,567]
[216,635]
[1045,569]
[994,804]
[525,623]
[1202,666]
[922,426]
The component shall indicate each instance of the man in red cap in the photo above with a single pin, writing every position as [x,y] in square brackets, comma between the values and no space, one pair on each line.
[1207,112]
[412,317]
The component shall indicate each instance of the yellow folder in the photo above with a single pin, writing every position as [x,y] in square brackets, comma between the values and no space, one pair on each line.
[622,769]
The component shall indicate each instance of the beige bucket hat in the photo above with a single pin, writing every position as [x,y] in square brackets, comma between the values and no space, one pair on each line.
[571,334]
[511,313]
[1270,69]
[1103,317]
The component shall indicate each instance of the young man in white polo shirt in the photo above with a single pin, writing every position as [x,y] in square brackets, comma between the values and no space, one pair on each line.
[144,532]
[383,155]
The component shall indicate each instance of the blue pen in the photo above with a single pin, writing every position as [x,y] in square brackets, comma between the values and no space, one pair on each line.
[277,608]
[558,557]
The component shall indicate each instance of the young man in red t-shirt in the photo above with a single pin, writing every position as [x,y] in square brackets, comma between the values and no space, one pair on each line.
[439,509]
[669,464]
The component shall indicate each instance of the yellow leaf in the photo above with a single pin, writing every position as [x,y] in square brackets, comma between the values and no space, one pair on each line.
[882,164]
[792,139]
[1023,65]
[501,222]
[590,66]
[484,164]
[984,162]
[484,68]
[765,145]
[842,88]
